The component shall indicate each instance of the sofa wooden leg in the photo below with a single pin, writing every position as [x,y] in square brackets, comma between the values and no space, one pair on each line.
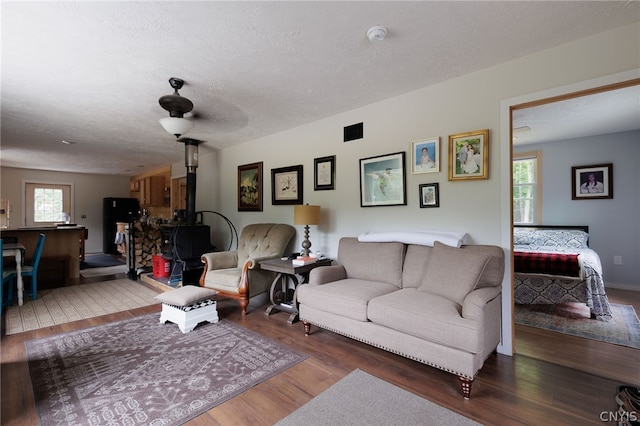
[307,328]
[465,385]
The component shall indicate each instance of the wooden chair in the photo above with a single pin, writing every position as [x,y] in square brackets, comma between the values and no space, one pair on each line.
[28,270]
[236,274]
[4,302]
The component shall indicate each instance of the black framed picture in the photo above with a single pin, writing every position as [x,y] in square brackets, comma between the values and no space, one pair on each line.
[250,187]
[286,185]
[383,180]
[592,182]
[429,195]
[324,173]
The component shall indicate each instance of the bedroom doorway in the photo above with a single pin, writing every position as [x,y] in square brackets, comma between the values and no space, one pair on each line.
[524,120]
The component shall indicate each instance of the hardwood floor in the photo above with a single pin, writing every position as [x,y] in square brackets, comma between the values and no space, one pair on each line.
[552,379]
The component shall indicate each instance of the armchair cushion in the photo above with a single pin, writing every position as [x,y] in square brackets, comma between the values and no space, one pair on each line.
[263,241]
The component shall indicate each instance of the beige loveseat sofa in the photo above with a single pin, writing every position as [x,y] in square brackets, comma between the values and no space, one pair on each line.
[437,305]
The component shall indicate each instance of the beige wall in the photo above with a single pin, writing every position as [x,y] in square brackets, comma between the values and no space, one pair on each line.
[88,192]
[471,102]
[463,104]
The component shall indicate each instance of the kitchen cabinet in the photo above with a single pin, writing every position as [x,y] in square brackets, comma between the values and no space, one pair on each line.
[150,191]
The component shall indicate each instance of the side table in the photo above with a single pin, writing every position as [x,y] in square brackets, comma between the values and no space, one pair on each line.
[283,296]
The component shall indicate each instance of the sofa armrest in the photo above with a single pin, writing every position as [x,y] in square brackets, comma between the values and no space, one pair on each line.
[475,302]
[219,260]
[327,274]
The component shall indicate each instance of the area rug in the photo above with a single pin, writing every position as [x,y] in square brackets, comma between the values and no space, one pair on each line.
[363,399]
[574,319]
[141,372]
[66,304]
[101,260]
[99,272]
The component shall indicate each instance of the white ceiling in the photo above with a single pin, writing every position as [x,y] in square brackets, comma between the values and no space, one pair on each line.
[91,72]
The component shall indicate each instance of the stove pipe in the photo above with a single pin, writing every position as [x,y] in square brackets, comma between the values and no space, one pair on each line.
[191,163]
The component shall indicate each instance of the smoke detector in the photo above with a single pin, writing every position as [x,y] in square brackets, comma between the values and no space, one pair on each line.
[376,33]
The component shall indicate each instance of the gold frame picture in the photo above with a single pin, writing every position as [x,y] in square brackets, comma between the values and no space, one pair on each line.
[469,155]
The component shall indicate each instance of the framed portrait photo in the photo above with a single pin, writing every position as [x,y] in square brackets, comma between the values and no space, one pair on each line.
[469,155]
[429,195]
[425,156]
[592,182]
[250,187]
[286,185]
[383,180]
[324,173]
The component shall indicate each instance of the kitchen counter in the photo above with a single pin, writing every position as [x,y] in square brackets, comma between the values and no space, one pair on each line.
[65,243]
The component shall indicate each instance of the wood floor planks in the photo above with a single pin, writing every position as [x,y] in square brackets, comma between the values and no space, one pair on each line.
[551,380]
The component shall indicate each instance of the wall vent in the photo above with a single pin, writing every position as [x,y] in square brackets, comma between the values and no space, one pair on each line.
[353,132]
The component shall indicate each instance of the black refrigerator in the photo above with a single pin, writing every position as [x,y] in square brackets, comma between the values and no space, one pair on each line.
[116,210]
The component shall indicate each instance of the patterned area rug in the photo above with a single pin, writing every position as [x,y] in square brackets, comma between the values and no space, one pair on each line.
[66,304]
[574,318]
[141,372]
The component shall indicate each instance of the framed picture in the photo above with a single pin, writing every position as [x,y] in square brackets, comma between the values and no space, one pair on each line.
[324,173]
[429,195]
[469,155]
[286,185]
[383,180]
[425,156]
[592,182]
[250,187]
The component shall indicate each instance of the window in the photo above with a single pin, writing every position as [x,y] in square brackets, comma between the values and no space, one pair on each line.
[46,204]
[527,199]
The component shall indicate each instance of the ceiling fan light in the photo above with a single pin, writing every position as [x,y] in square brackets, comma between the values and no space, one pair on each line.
[176,126]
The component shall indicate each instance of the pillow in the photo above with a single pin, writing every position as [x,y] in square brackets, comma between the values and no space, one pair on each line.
[522,237]
[560,238]
[185,296]
[453,272]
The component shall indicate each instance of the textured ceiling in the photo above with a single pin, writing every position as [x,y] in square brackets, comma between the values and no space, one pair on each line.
[91,72]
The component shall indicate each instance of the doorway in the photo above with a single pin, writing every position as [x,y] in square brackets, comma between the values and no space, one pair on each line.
[519,108]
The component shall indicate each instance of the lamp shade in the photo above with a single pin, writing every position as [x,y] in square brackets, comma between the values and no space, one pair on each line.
[176,126]
[306,215]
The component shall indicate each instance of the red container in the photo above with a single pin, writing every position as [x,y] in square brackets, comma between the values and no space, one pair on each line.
[161,267]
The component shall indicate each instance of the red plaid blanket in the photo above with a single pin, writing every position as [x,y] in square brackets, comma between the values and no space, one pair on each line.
[546,263]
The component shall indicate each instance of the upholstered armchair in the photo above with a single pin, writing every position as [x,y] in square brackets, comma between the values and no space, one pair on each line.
[236,274]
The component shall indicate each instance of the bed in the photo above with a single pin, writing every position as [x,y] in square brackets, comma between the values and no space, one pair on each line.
[554,264]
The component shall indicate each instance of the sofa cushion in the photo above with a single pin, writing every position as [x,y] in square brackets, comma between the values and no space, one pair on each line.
[348,297]
[427,316]
[453,272]
[415,265]
[380,262]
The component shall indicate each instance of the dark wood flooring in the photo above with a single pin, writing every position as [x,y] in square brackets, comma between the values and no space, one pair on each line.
[553,379]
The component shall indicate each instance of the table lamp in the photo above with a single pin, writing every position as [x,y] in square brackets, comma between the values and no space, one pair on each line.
[306,215]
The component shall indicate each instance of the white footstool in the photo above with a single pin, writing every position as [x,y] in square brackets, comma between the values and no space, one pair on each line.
[188,306]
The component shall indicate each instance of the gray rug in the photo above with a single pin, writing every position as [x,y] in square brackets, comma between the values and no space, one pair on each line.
[107,270]
[363,399]
[141,372]
[73,303]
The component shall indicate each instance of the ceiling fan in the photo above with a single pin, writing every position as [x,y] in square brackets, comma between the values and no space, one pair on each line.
[177,106]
